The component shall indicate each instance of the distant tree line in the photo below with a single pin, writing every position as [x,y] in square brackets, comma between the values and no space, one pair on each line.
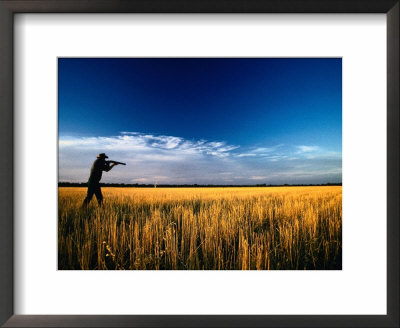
[136,185]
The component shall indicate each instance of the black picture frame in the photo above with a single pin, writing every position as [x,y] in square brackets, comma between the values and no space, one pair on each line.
[10,7]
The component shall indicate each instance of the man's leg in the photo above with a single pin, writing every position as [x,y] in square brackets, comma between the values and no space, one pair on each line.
[89,196]
[99,195]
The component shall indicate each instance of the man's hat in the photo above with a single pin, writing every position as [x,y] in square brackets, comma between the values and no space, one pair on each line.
[102,155]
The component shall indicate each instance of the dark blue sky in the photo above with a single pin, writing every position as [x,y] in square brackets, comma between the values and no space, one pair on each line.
[250,103]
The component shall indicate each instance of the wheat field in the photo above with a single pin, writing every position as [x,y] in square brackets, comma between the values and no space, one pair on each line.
[238,228]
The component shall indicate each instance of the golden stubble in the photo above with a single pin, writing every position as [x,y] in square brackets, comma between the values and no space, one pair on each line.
[255,228]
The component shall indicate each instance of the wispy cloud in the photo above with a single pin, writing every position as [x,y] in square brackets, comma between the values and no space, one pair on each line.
[133,143]
[307,149]
[259,151]
[172,159]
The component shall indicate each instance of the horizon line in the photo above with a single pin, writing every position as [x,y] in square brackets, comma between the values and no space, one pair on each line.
[202,185]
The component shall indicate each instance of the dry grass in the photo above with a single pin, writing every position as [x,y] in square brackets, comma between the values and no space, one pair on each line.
[274,228]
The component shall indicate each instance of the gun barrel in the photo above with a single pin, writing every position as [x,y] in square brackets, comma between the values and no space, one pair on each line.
[115,162]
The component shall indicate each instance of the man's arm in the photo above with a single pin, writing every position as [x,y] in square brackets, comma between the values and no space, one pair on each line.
[108,166]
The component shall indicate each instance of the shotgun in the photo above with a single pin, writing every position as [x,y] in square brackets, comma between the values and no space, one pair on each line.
[115,162]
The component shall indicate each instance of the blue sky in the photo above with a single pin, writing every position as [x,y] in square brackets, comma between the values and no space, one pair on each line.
[202,120]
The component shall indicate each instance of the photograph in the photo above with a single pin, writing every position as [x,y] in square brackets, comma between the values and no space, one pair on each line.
[198,163]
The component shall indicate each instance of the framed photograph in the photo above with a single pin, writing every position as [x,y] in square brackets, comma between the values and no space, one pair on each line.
[199,164]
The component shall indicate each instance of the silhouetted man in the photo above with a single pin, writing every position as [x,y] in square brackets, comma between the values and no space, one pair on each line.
[99,165]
